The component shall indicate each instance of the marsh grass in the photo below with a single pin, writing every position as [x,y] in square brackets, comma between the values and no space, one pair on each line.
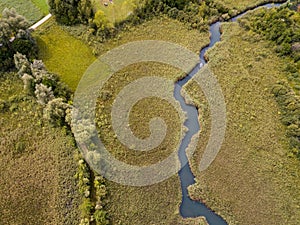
[140,115]
[242,5]
[163,29]
[36,161]
[254,179]
[159,203]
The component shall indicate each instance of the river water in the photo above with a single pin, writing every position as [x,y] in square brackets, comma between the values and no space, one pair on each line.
[189,207]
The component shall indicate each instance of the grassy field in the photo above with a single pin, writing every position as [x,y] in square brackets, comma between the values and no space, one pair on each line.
[32,10]
[159,203]
[254,179]
[62,53]
[42,5]
[36,161]
[241,5]
[67,56]
[117,10]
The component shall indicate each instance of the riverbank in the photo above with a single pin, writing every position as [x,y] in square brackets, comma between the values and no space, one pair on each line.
[252,180]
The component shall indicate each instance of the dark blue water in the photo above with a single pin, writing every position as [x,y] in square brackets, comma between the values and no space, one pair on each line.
[189,207]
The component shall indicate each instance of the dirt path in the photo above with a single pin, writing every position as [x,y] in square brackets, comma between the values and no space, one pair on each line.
[39,23]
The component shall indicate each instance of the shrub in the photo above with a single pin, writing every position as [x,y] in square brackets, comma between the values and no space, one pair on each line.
[20,147]
[289,104]
[22,64]
[100,20]
[55,112]
[100,217]
[28,81]
[100,214]
[86,208]
[3,106]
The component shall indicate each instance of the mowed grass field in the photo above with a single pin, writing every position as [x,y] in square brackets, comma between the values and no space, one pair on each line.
[42,5]
[62,53]
[254,179]
[33,10]
[37,184]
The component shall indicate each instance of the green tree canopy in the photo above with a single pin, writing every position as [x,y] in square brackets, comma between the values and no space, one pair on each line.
[14,37]
[70,12]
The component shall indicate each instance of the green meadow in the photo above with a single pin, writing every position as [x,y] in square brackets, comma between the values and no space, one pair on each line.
[33,10]
[63,54]
[115,10]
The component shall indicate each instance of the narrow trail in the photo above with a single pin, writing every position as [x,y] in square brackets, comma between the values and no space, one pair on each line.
[40,22]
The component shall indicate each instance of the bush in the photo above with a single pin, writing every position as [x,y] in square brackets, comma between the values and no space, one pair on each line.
[290,113]
[3,106]
[28,81]
[86,208]
[22,64]
[100,217]
[55,112]
[20,147]
[100,20]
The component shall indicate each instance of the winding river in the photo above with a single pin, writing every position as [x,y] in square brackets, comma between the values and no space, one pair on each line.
[189,207]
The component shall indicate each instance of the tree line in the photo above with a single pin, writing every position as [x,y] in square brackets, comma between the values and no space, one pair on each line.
[196,14]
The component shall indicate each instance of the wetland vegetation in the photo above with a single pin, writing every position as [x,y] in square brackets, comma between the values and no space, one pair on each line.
[253,180]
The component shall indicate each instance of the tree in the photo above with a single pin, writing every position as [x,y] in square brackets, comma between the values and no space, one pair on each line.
[85,10]
[56,111]
[70,12]
[14,37]
[22,64]
[100,20]
[65,11]
[28,81]
[43,94]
